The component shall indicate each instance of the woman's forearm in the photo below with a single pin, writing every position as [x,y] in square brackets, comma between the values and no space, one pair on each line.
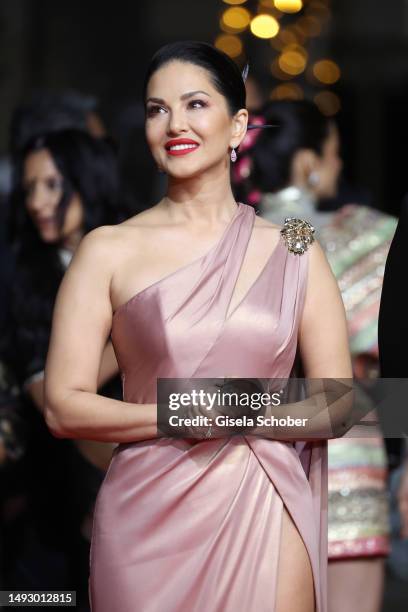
[85,415]
[311,419]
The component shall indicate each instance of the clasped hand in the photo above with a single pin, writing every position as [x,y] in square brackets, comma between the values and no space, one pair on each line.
[224,413]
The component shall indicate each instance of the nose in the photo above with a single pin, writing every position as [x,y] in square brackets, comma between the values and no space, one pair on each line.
[177,122]
[37,199]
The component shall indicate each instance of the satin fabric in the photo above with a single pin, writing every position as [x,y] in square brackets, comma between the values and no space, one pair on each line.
[186,525]
[356,240]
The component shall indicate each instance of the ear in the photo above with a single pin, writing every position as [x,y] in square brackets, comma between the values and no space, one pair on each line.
[304,162]
[239,127]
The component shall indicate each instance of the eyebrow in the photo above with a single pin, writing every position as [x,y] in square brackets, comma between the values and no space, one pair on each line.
[189,94]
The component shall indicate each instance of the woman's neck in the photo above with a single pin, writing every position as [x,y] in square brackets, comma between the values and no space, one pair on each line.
[207,197]
[71,242]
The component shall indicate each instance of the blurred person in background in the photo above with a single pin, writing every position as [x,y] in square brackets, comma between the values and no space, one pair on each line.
[284,171]
[44,112]
[393,340]
[66,183]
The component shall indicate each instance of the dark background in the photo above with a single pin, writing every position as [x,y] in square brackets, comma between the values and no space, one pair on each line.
[103,49]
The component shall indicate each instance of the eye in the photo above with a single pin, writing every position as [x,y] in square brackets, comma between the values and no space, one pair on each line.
[197,104]
[154,110]
[54,184]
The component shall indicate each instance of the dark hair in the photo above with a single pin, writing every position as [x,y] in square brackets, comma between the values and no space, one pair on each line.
[224,72]
[299,125]
[89,168]
[47,112]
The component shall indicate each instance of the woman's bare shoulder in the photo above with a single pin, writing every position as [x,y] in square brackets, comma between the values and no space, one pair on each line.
[110,245]
[265,228]
[264,223]
[107,237]
[149,217]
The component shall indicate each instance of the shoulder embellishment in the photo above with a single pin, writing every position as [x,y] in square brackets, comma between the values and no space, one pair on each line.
[298,235]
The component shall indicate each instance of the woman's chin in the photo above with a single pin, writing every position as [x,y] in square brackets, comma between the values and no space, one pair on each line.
[187,171]
[49,237]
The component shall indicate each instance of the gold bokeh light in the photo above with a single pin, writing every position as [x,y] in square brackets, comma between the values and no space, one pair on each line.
[293,59]
[264,26]
[278,73]
[287,91]
[328,103]
[230,44]
[289,6]
[326,71]
[236,19]
[234,2]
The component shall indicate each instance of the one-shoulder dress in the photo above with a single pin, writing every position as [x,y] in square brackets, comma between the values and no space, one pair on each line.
[184,525]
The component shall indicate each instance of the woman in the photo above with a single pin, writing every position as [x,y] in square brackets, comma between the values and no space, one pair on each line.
[66,184]
[230,523]
[286,171]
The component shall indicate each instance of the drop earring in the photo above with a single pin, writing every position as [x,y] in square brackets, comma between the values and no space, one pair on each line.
[313,178]
[233,155]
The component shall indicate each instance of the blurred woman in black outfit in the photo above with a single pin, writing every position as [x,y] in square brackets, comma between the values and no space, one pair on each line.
[65,184]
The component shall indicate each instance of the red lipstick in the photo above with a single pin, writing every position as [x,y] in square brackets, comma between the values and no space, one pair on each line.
[181,146]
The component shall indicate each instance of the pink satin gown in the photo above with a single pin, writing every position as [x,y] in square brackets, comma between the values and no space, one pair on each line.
[185,525]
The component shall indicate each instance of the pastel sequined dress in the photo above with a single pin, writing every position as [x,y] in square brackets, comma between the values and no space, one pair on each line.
[185,525]
[356,240]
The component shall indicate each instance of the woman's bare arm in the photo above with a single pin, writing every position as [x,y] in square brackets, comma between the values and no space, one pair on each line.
[108,369]
[81,326]
[323,335]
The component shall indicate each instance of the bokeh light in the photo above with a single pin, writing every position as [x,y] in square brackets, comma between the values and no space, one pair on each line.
[234,2]
[289,6]
[328,103]
[278,73]
[326,71]
[287,91]
[235,19]
[293,59]
[230,44]
[264,26]
[285,37]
